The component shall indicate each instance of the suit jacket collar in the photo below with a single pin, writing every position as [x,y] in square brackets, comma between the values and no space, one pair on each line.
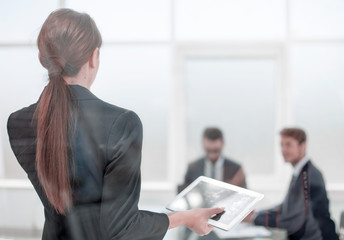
[297,169]
[82,93]
[225,164]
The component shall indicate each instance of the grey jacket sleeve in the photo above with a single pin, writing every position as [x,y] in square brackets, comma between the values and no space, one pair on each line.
[120,217]
[290,217]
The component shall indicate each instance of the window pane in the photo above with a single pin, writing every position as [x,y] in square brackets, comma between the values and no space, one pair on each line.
[230,19]
[20,21]
[135,20]
[138,78]
[23,81]
[317,19]
[318,103]
[237,95]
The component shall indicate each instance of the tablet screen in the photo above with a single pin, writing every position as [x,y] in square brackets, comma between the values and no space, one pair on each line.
[206,193]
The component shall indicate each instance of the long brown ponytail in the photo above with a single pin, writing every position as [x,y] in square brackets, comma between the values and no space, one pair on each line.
[66,42]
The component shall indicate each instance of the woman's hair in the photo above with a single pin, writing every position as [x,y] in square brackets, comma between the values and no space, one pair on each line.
[66,42]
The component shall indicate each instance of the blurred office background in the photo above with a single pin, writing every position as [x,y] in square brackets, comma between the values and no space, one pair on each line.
[249,67]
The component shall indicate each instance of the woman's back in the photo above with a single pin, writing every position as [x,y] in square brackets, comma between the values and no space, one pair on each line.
[105,178]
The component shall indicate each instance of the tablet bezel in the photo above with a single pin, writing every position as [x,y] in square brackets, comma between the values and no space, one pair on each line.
[257,197]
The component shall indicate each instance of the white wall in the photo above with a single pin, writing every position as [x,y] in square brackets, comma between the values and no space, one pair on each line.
[148,45]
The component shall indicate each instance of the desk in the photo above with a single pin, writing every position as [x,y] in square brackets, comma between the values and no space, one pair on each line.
[240,232]
[275,235]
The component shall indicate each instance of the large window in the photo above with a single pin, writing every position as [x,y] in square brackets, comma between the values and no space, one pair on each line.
[249,96]
[250,67]
[237,95]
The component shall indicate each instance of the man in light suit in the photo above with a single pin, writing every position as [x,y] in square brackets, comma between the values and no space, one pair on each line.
[305,209]
[214,164]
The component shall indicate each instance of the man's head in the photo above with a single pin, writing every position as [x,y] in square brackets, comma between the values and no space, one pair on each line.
[213,143]
[293,144]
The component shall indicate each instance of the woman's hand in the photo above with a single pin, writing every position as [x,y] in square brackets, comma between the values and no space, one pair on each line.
[196,219]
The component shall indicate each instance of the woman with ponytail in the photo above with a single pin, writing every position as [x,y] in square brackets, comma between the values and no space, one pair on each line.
[81,154]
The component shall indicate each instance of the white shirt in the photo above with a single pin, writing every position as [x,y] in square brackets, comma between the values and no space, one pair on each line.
[218,168]
[298,167]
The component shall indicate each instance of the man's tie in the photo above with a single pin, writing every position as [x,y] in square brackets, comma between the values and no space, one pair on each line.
[213,170]
[292,182]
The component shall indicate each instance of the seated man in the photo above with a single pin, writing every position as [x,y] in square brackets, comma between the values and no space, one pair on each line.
[305,209]
[213,164]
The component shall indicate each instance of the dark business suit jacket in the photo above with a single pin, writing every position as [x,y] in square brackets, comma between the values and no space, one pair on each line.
[305,210]
[106,151]
[197,168]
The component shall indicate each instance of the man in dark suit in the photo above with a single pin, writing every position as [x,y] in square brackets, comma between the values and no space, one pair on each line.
[305,209]
[213,164]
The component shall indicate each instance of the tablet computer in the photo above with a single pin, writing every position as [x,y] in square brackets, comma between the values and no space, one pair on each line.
[205,192]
